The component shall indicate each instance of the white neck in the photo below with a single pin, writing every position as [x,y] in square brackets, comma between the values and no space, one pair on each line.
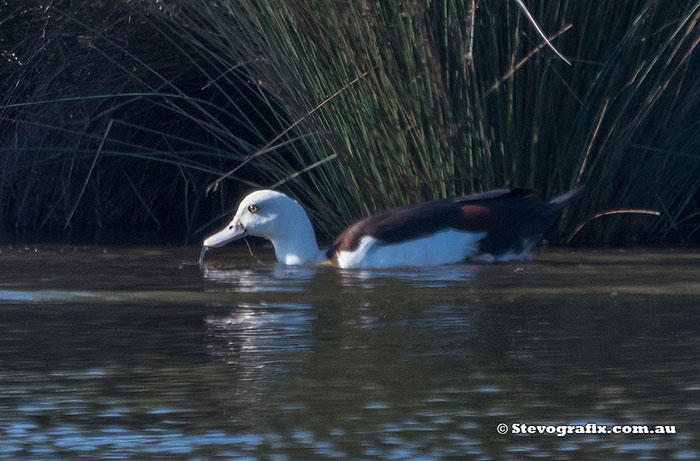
[295,242]
[297,249]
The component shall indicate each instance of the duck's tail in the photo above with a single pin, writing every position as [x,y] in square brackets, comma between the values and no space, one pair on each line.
[560,201]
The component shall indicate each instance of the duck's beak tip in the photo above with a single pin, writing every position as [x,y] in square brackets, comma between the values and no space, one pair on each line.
[201,255]
[228,234]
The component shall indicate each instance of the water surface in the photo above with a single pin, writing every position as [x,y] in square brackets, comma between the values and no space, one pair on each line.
[126,353]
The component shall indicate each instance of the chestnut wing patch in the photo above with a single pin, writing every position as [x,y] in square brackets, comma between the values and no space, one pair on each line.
[479,218]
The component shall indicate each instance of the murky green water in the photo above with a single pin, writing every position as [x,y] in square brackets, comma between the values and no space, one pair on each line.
[123,353]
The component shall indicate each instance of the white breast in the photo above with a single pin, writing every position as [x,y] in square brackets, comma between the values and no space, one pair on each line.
[446,247]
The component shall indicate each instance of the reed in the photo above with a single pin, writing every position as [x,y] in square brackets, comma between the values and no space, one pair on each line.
[107,123]
[428,111]
[353,107]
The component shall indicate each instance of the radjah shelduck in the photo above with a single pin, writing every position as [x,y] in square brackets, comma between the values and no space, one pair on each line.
[498,225]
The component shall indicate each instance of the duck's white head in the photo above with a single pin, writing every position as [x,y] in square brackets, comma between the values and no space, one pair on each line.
[276,217]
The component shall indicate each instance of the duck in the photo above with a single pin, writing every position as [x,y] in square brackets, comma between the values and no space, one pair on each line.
[494,226]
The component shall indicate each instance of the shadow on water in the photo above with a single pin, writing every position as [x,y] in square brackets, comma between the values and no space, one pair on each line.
[121,353]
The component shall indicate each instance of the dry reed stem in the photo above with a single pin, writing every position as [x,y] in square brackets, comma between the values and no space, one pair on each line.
[590,144]
[472,18]
[266,148]
[610,212]
[539,30]
[523,61]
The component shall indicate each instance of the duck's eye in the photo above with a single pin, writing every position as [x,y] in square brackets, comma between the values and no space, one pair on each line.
[253,209]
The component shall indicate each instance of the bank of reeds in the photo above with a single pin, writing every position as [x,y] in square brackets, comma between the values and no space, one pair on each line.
[425,106]
[357,106]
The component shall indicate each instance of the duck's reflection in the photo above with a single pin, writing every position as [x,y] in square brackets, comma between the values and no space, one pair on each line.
[419,277]
[275,277]
[261,278]
[257,338]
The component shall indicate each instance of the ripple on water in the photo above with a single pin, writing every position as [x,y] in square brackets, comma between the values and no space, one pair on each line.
[122,442]
[261,330]
[433,277]
[265,278]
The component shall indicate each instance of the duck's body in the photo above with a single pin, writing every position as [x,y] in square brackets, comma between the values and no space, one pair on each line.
[492,226]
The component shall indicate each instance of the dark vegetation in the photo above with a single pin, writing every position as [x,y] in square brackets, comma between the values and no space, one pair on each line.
[116,116]
[109,129]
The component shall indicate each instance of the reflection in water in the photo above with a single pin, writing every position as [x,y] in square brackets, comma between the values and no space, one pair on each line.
[275,277]
[251,335]
[434,277]
[267,362]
